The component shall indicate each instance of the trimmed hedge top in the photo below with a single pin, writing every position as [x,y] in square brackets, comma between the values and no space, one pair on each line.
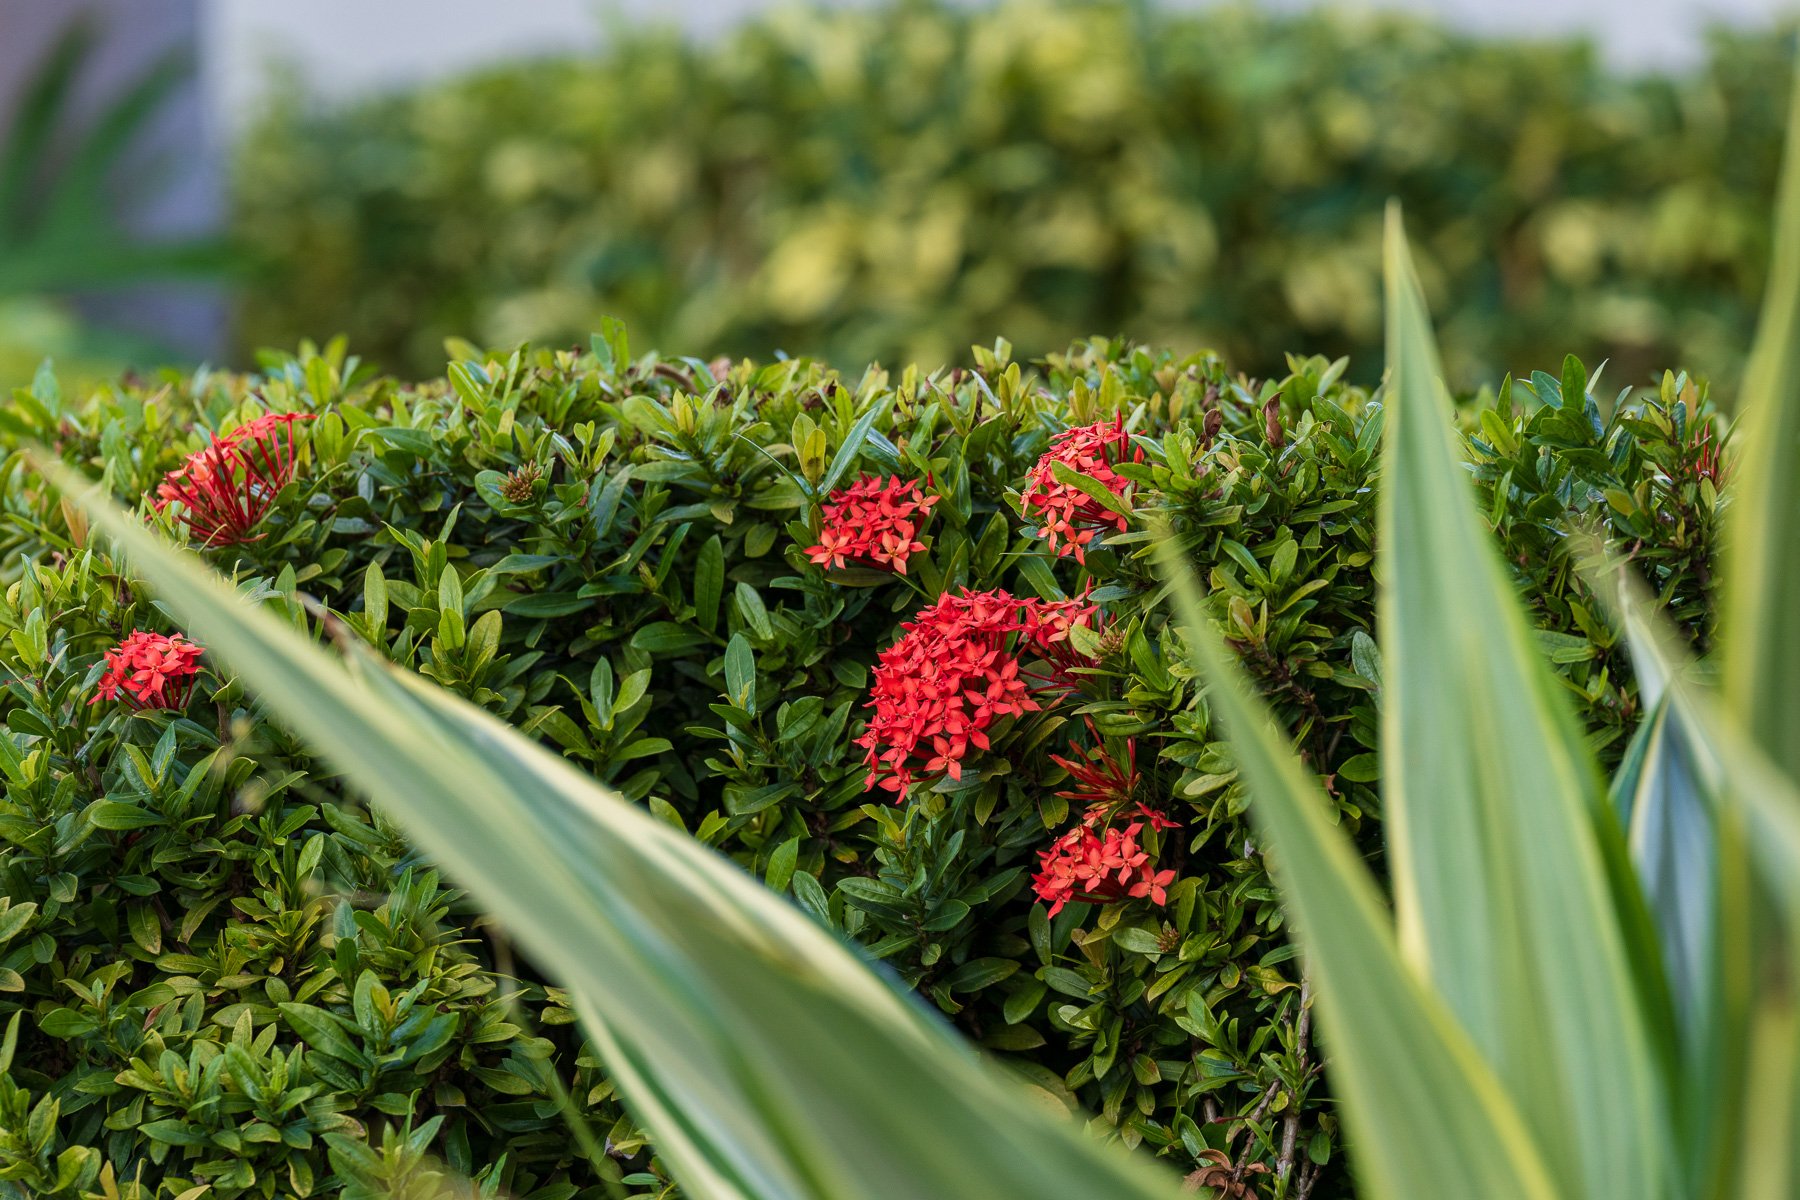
[218,968]
[888,181]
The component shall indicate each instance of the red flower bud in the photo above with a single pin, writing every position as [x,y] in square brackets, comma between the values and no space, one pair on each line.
[227,488]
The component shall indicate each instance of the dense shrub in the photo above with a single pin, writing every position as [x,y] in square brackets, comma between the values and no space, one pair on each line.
[216,967]
[891,181]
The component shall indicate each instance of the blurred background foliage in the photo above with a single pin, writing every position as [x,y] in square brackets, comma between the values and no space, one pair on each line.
[897,181]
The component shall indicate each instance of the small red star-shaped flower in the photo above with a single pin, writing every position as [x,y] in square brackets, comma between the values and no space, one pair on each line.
[873,522]
[1101,866]
[150,670]
[958,669]
[1068,518]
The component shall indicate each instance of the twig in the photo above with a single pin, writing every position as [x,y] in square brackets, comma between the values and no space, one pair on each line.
[1290,1134]
[1258,1113]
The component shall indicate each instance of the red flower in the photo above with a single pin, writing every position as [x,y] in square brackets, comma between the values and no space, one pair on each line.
[1101,867]
[1046,627]
[956,671]
[1070,519]
[152,669]
[227,488]
[873,522]
[1102,785]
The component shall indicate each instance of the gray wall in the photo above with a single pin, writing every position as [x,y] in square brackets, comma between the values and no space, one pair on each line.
[170,184]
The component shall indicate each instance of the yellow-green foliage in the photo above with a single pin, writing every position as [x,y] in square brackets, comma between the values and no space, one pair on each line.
[895,182]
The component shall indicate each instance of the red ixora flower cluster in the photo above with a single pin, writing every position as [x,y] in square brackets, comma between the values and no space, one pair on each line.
[152,670]
[227,488]
[873,521]
[1070,519]
[1102,866]
[957,670]
[1094,861]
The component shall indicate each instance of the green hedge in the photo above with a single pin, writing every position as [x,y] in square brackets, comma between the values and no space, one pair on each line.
[218,968]
[888,183]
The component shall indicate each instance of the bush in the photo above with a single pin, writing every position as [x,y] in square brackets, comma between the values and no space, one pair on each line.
[885,183]
[222,969]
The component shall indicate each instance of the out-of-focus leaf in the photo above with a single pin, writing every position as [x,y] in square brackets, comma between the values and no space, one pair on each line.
[1664,793]
[1760,664]
[1760,621]
[1708,812]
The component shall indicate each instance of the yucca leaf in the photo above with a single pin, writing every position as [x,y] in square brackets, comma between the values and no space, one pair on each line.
[1759,621]
[1771,1151]
[1665,791]
[1427,1116]
[1741,1093]
[1494,808]
[1688,854]
[765,1059]
[1749,783]
[1759,638]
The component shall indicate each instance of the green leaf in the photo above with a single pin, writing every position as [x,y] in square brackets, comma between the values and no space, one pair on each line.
[781,864]
[755,613]
[740,673]
[175,1133]
[1664,792]
[766,1061]
[1757,730]
[323,1032]
[120,816]
[667,637]
[709,582]
[375,600]
[1708,812]
[1495,810]
[847,453]
[1759,622]
[1688,852]
[1090,487]
[548,604]
[1138,941]
[611,347]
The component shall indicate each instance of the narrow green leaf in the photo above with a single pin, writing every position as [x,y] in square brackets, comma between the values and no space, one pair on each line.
[709,582]
[1688,848]
[375,602]
[740,673]
[847,453]
[323,1033]
[1495,810]
[1759,622]
[1664,793]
